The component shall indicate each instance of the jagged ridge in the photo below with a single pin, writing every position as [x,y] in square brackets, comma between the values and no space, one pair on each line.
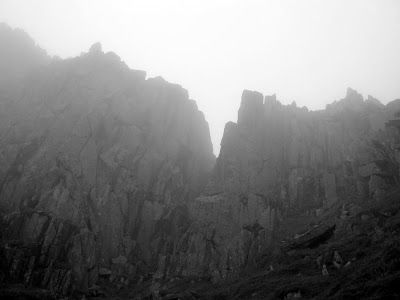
[104,173]
[97,164]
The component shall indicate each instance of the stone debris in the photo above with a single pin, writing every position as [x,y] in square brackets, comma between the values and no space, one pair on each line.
[271,268]
[325,270]
[104,272]
[293,295]
[337,259]
[313,237]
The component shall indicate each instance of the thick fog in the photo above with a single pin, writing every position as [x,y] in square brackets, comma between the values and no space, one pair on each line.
[304,51]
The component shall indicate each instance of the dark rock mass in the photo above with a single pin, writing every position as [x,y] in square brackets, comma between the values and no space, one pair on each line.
[109,186]
[282,161]
[97,165]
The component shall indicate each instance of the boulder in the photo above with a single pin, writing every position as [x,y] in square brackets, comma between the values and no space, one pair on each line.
[312,238]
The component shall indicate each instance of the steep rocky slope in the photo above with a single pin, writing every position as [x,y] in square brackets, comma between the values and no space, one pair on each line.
[359,261]
[108,185]
[279,162]
[299,205]
[97,164]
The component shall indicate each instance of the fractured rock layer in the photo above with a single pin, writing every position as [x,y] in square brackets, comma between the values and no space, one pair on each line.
[106,173]
[278,161]
[96,163]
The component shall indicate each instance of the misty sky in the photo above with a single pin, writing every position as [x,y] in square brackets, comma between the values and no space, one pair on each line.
[304,51]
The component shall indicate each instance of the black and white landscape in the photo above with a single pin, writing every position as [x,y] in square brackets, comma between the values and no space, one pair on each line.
[110,189]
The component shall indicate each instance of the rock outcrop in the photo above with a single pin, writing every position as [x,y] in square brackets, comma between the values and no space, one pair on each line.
[358,263]
[97,165]
[279,161]
[107,175]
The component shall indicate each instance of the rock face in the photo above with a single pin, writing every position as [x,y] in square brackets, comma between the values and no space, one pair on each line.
[278,161]
[104,173]
[97,165]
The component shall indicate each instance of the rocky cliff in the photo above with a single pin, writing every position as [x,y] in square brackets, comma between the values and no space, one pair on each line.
[97,164]
[281,161]
[108,177]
